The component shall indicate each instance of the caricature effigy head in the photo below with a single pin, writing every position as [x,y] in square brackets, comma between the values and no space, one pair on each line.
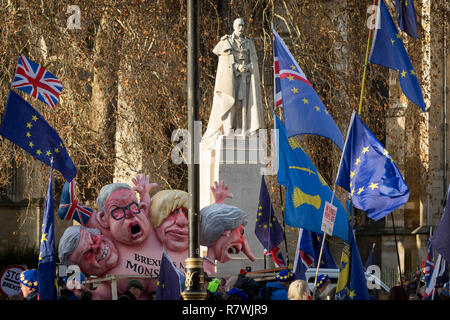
[168,215]
[222,231]
[119,211]
[94,253]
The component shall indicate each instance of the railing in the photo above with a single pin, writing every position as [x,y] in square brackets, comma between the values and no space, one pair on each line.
[113,278]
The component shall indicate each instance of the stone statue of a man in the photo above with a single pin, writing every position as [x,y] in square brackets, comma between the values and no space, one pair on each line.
[237,93]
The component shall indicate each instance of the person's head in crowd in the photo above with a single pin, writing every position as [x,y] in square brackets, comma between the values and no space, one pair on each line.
[398,293]
[445,291]
[94,253]
[323,281]
[440,282]
[299,290]
[285,277]
[236,294]
[169,217]
[28,282]
[135,287]
[119,211]
[403,281]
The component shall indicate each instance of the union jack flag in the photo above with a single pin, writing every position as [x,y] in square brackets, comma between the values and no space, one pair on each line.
[278,96]
[277,256]
[429,265]
[69,208]
[35,80]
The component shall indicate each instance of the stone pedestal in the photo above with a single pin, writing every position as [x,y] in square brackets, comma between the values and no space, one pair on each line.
[238,161]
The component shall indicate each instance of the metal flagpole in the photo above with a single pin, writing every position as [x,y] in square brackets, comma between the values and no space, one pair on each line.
[194,263]
[396,249]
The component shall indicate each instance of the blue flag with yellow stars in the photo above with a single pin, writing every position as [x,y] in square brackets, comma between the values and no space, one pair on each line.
[368,172]
[352,283]
[267,228]
[306,190]
[388,51]
[304,112]
[168,285]
[47,257]
[406,17]
[25,127]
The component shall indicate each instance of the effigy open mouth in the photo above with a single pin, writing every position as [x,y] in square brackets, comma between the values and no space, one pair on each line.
[235,249]
[135,230]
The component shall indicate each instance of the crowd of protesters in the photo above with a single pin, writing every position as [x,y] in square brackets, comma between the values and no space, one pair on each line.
[244,287]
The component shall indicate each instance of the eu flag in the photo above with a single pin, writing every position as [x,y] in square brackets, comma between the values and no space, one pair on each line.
[267,228]
[47,257]
[308,251]
[304,112]
[306,190]
[168,285]
[388,51]
[25,127]
[406,17]
[441,237]
[368,172]
[352,284]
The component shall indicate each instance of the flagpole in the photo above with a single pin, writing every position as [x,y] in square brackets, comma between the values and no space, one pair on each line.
[321,248]
[274,108]
[396,249]
[284,227]
[365,63]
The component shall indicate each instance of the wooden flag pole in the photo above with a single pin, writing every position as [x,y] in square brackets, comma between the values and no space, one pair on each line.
[321,250]
[367,58]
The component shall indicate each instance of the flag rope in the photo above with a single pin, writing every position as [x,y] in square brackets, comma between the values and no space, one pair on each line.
[365,63]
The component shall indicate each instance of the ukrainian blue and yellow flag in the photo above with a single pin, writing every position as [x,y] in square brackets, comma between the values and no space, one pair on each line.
[352,283]
[306,190]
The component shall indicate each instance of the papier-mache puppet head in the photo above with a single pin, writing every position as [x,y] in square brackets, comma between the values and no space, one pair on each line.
[93,252]
[120,212]
[222,231]
[169,217]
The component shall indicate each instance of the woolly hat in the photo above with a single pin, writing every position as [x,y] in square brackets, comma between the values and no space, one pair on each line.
[241,293]
[29,278]
[321,280]
[284,276]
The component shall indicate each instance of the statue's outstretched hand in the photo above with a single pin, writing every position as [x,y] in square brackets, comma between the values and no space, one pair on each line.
[220,192]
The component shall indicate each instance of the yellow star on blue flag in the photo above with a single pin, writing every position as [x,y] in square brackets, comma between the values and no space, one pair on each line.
[388,51]
[24,126]
[169,287]
[369,174]
[47,256]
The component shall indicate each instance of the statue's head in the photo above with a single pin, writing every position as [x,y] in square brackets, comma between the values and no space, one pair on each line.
[238,26]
